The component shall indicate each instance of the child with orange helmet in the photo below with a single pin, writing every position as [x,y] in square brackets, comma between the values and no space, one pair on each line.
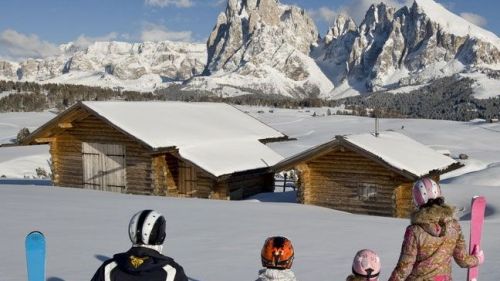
[365,266]
[277,258]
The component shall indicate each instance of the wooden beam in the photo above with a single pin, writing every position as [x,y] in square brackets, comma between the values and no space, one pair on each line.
[65,125]
[44,140]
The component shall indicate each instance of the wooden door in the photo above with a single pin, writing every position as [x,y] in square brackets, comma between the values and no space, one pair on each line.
[187,179]
[104,167]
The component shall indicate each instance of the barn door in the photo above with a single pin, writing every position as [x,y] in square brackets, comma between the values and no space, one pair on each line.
[187,179]
[104,167]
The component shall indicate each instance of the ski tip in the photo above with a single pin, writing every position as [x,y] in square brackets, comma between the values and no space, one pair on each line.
[478,197]
[35,232]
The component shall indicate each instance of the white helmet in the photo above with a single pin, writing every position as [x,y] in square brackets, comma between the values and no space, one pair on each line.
[425,189]
[147,227]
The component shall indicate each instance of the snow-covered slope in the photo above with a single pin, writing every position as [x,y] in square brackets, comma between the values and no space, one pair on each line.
[85,227]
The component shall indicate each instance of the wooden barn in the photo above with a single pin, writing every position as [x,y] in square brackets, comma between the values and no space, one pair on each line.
[204,150]
[364,173]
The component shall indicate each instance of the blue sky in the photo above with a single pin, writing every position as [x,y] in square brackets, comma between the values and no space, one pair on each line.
[33,28]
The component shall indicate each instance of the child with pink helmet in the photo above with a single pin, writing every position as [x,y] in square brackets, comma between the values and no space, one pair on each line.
[432,239]
[365,266]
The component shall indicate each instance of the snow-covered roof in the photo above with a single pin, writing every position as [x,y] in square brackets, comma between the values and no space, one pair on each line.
[217,137]
[182,124]
[397,151]
[402,152]
[227,156]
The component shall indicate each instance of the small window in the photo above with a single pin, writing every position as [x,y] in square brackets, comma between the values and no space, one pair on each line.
[367,192]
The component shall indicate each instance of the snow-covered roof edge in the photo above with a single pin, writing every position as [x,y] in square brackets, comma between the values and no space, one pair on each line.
[342,140]
[389,163]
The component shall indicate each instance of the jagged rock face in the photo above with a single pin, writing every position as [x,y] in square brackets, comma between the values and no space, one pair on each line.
[39,69]
[394,48]
[7,69]
[172,61]
[258,32]
[126,61]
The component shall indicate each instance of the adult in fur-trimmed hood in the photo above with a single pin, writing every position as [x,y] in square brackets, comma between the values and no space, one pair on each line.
[433,238]
[277,258]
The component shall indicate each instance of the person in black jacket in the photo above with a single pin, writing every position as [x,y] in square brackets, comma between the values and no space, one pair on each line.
[144,261]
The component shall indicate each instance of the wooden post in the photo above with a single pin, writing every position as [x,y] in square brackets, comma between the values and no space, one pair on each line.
[284,181]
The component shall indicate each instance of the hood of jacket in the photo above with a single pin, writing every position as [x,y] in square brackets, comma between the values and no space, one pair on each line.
[141,259]
[433,219]
[269,274]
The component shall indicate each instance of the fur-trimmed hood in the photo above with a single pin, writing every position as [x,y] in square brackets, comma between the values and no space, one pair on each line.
[433,219]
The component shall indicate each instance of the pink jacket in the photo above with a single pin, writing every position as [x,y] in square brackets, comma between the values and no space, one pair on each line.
[430,242]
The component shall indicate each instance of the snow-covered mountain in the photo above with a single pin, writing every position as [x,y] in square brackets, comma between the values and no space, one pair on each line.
[138,66]
[410,46]
[265,47]
[262,46]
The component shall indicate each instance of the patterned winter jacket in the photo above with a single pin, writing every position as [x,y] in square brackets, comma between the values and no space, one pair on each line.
[269,274]
[430,242]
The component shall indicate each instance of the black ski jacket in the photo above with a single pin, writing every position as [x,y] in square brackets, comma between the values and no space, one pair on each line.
[140,264]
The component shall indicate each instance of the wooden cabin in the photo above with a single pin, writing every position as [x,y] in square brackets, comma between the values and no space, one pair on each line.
[365,174]
[204,150]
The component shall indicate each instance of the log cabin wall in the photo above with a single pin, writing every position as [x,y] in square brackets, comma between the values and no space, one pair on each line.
[403,204]
[345,180]
[66,152]
[167,178]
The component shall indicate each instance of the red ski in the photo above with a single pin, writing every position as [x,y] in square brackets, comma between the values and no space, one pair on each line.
[478,205]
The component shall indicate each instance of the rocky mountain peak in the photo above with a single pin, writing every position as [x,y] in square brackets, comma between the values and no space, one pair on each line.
[248,27]
[263,44]
[378,16]
[342,25]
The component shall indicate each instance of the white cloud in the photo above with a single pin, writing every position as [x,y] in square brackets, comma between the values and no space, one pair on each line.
[166,3]
[324,13]
[474,18]
[19,46]
[84,41]
[218,3]
[155,32]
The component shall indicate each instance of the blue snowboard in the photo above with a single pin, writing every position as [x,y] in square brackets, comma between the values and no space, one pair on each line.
[35,256]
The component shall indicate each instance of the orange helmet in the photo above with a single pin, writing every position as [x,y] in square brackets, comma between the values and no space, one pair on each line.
[277,253]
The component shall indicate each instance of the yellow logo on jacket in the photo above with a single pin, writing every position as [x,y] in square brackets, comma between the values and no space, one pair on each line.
[137,261]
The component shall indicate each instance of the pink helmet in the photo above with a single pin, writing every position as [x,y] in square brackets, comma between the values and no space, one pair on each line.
[366,264]
[425,189]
